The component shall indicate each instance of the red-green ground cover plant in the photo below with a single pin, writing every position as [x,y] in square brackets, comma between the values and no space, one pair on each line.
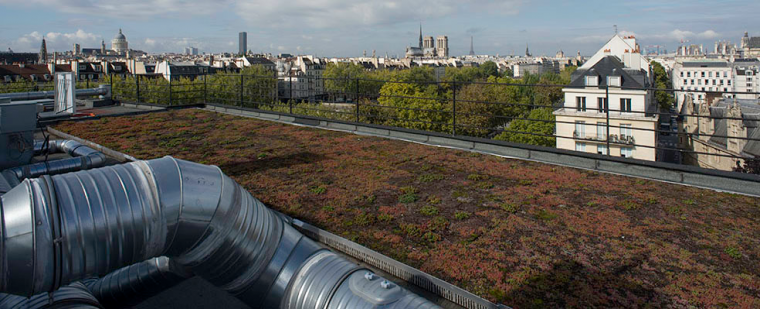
[521,233]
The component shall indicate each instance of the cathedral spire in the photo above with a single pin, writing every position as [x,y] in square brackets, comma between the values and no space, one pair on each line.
[420,35]
[43,52]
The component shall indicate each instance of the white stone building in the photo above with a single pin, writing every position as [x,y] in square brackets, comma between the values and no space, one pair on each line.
[119,43]
[625,124]
[696,77]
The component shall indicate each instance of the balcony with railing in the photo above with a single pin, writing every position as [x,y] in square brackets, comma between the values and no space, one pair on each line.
[621,139]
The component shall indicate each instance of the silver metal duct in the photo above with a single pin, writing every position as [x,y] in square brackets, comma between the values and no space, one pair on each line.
[84,158]
[72,296]
[133,284]
[102,90]
[86,224]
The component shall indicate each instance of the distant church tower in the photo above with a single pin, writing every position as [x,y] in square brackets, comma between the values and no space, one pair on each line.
[472,46]
[43,53]
[420,35]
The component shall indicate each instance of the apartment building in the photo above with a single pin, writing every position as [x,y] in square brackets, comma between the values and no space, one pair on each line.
[746,80]
[696,77]
[606,108]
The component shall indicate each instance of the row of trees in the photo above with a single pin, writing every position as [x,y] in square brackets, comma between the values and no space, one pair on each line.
[488,104]
[256,85]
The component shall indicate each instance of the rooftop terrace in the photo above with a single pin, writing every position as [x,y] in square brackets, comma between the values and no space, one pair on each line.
[521,233]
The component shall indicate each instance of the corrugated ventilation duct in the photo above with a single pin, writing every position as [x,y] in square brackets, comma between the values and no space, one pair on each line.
[69,227]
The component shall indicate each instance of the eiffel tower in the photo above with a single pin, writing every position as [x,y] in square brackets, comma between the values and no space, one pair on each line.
[472,49]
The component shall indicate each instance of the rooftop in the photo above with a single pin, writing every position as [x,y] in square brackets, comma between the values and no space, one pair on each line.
[522,233]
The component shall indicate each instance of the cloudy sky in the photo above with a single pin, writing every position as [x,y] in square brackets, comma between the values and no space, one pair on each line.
[349,27]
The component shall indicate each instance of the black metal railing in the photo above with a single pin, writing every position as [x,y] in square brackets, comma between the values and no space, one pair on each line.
[534,114]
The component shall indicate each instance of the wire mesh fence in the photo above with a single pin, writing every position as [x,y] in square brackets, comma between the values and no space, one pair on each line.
[717,130]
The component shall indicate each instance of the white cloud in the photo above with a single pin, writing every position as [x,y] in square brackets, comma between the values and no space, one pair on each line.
[56,41]
[682,35]
[295,13]
[709,34]
[341,13]
[134,9]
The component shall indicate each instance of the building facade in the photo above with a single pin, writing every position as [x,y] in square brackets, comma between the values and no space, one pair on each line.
[606,111]
[696,78]
[746,80]
[720,135]
[242,43]
[750,46]
[442,49]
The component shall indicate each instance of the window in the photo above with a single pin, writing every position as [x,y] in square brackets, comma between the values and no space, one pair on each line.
[625,105]
[614,81]
[688,74]
[82,67]
[592,81]
[602,105]
[601,131]
[601,149]
[626,152]
[729,82]
[709,74]
[703,74]
[580,129]
[625,130]
[580,104]
[580,147]
[681,73]
[714,82]
[725,74]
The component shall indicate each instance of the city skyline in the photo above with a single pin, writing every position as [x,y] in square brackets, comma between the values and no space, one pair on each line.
[386,26]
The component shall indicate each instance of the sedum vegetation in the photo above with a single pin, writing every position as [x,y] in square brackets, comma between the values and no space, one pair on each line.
[516,232]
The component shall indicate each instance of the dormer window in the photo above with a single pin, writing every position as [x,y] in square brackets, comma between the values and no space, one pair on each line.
[47,76]
[592,81]
[82,67]
[33,77]
[614,81]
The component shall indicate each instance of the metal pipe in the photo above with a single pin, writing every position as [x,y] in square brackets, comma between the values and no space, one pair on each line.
[72,296]
[133,284]
[84,158]
[90,223]
[38,95]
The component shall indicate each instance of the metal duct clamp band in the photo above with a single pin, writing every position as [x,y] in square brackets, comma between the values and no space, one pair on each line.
[26,255]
